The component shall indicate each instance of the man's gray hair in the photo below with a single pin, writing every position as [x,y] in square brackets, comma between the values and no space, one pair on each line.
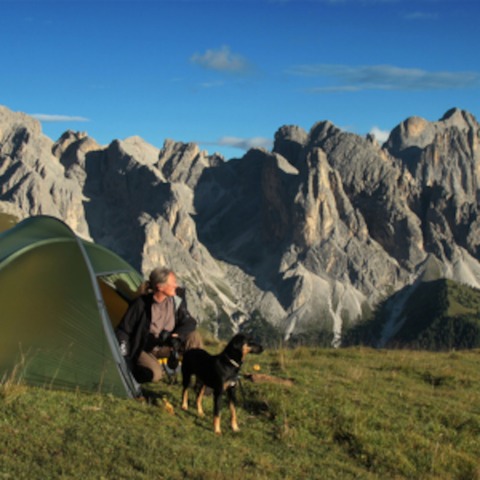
[159,275]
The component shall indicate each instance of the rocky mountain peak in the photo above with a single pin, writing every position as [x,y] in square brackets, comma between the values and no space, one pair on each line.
[306,237]
[13,123]
[142,151]
[184,162]
[31,177]
[322,131]
[415,133]
[290,141]
[459,118]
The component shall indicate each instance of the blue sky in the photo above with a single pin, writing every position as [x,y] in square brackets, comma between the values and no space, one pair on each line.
[227,74]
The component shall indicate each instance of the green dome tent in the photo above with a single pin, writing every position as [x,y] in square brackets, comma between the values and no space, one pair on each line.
[60,299]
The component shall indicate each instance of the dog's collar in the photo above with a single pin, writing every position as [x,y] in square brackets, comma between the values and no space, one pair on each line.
[233,362]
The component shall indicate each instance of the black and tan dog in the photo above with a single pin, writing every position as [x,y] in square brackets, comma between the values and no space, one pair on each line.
[218,372]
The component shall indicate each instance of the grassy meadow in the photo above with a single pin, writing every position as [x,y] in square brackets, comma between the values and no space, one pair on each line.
[353,413]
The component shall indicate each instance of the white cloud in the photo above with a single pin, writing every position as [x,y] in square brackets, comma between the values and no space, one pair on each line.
[380,135]
[385,77]
[241,143]
[43,117]
[245,143]
[222,60]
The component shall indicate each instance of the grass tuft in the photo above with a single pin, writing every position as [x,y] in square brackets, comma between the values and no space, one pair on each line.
[11,385]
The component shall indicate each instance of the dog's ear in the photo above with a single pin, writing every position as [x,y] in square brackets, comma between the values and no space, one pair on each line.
[238,341]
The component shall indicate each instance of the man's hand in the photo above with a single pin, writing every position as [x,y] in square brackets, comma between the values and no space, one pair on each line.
[123,348]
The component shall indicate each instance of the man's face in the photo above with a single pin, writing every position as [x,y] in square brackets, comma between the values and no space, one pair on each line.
[170,286]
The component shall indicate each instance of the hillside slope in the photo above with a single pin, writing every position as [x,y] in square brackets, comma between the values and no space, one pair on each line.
[437,315]
[350,414]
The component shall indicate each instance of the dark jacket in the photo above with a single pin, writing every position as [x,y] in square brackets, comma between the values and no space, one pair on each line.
[133,332]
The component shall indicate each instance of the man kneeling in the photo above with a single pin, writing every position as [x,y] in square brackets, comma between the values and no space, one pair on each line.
[155,327]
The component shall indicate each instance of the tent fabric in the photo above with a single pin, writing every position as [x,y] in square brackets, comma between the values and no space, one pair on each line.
[57,292]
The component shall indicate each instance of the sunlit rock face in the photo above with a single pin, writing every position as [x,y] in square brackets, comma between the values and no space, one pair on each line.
[308,235]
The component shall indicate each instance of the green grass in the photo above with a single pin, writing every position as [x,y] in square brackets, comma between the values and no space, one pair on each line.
[353,413]
[463,300]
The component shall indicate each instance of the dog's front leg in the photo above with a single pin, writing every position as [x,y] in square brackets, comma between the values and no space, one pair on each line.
[233,410]
[186,375]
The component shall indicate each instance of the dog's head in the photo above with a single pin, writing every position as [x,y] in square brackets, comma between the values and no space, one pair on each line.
[244,345]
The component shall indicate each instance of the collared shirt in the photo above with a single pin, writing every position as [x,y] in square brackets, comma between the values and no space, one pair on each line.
[163,316]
